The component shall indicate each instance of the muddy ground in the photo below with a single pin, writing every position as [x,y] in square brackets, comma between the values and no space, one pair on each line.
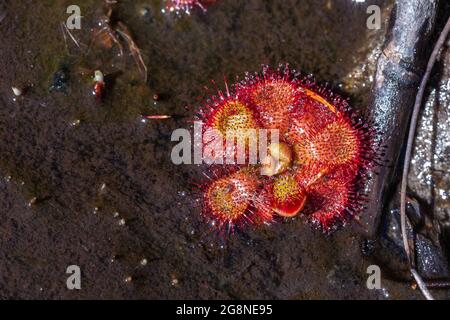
[92,184]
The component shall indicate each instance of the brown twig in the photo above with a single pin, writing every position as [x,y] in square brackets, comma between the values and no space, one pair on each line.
[409,146]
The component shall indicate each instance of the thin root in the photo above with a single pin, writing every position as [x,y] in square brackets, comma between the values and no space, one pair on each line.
[134,49]
[65,31]
[409,146]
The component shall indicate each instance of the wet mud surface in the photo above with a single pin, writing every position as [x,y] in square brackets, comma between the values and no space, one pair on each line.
[92,184]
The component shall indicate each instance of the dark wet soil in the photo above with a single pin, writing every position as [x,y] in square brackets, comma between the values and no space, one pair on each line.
[106,193]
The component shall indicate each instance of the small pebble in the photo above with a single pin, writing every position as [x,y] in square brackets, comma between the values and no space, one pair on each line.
[174,282]
[144,262]
[17,91]
[98,76]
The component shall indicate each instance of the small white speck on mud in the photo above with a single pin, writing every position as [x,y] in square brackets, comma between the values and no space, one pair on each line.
[128,279]
[174,282]
[142,119]
[95,211]
[32,201]
[75,123]
[116,214]
[143,262]
[385,293]
[122,222]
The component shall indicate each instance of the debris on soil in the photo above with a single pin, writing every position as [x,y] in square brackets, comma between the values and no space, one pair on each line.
[99,84]
[60,79]
[17,91]
[110,33]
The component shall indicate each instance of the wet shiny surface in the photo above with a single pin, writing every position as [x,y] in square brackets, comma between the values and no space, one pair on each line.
[106,195]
